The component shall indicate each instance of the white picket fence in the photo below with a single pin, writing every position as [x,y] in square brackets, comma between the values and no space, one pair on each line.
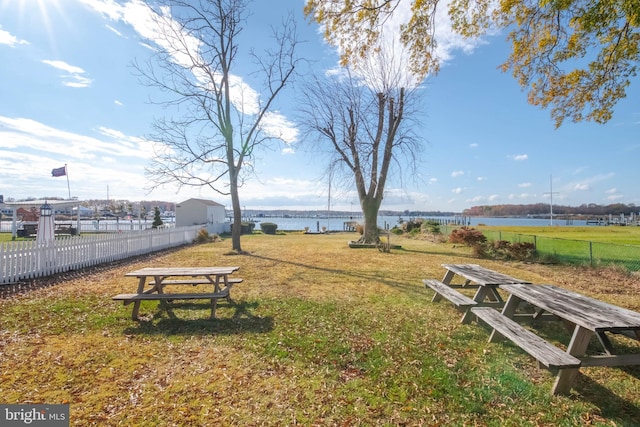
[22,260]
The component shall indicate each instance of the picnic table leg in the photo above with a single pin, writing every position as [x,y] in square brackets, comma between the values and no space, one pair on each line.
[448,276]
[508,310]
[214,303]
[577,347]
[136,304]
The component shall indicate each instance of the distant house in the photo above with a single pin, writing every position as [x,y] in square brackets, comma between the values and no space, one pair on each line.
[203,212]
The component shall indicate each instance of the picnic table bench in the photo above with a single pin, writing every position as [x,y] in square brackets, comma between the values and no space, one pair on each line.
[484,280]
[586,317]
[161,277]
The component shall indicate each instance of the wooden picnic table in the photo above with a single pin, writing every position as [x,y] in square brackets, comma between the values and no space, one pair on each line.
[152,283]
[486,280]
[475,276]
[587,317]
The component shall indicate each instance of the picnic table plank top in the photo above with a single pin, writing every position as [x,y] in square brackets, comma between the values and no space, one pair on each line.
[579,309]
[181,271]
[481,275]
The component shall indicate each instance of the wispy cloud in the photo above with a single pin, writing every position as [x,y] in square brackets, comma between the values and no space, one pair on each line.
[525,185]
[110,28]
[522,196]
[8,39]
[143,20]
[37,136]
[588,183]
[74,75]
[519,157]
[457,190]
[456,174]
[108,158]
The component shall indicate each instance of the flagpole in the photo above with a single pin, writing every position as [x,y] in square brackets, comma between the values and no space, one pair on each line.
[66,172]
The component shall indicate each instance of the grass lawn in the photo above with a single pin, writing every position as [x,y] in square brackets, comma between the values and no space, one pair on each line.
[609,234]
[318,334]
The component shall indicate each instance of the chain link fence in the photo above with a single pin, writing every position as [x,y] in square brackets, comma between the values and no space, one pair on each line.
[567,251]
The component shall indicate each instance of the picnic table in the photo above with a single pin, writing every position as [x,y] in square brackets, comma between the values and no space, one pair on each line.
[586,317]
[153,282]
[484,280]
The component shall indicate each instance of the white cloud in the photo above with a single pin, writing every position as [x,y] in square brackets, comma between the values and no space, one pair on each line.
[614,197]
[481,178]
[522,196]
[457,190]
[519,157]
[145,22]
[433,180]
[110,158]
[118,103]
[477,199]
[61,65]
[9,39]
[110,28]
[21,132]
[474,145]
[611,191]
[277,125]
[525,185]
[493,197]
[74,77]
[456,174]
[582,187]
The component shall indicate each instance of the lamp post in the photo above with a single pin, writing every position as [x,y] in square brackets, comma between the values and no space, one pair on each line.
[46,210]
[45,224]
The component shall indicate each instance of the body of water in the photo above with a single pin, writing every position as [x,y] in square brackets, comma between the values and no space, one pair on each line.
[337,224]
[316,224]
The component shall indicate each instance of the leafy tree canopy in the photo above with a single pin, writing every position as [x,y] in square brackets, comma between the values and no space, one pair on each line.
[576,57]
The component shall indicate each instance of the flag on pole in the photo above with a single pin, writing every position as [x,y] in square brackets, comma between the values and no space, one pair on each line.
[59,171]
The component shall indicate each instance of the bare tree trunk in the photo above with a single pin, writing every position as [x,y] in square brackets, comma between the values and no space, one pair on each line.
[236,229]
[371,232]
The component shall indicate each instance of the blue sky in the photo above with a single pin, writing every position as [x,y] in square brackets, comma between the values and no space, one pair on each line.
[69,96]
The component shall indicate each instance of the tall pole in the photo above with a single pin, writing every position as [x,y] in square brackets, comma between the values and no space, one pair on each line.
[551,193]
[66,172]
[329,199]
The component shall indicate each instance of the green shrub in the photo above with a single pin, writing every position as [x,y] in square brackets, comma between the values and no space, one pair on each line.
[412,224]
[431,226]
[268,227]
[245,227]
[397,231]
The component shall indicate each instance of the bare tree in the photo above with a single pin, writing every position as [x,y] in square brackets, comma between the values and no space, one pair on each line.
[364,124]
[219,120]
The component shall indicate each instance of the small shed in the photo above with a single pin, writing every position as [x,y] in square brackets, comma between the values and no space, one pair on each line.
[202,212]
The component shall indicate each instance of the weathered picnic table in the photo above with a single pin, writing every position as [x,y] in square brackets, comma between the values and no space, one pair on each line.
[161,277]
[586,317]
[486,282]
